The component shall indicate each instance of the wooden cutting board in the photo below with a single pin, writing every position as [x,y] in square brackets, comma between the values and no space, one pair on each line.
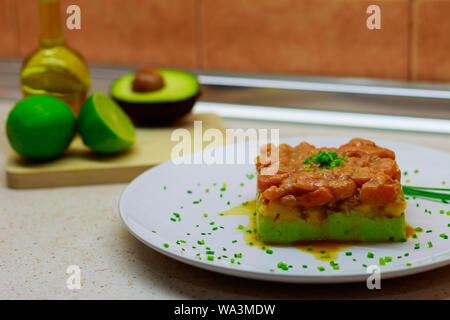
[80,166]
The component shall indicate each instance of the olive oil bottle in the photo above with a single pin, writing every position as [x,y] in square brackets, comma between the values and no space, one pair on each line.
[53,68]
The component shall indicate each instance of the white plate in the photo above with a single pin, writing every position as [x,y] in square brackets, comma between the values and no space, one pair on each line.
[148,203]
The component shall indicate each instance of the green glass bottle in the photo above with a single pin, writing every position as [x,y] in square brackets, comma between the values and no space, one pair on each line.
[53,68]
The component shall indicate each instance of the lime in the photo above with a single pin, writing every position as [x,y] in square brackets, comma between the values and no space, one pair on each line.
[40,127]
[104,126]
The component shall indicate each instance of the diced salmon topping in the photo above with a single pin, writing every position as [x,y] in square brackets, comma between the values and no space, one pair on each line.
[366,173]
[380,190]
[316,198]
[358,147]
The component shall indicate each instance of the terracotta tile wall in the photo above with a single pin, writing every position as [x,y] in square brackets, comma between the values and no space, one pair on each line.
[157,32]
[9,43]
[430,50]
[305,37]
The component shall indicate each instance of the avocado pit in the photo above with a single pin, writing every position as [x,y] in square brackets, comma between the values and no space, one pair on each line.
[147,80]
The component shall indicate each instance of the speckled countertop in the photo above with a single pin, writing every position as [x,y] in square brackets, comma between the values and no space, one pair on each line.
[44,231]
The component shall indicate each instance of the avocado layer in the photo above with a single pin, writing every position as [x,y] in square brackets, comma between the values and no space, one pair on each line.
[337,226]
[162,106]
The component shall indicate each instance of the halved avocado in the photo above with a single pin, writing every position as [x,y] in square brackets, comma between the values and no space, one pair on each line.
[162,106]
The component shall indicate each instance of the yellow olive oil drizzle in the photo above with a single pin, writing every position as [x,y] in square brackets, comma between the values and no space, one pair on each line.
[325,250]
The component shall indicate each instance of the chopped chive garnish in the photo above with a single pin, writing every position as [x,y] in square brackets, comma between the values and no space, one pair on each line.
[321,269]
[240,227]
[238,255]
[304,266]
[166,245]
[173,219]
[418,229]
[416,246]
[326,160]
[282,266]
[430,244]
[209,252]
[234,241]
[205,215]
[210,258]
[443,236]
[420,192]
[268,251]
[348,253]
[370,255]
